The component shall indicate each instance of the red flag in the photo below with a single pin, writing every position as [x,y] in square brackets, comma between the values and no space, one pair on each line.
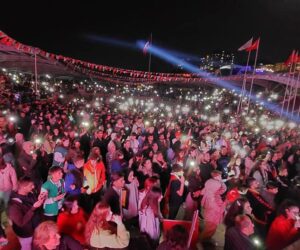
[246,45]
[297,57]
[291,59]
[254,45]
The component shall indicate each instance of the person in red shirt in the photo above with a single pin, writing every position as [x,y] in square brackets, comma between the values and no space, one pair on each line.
[284,229]
[72,220]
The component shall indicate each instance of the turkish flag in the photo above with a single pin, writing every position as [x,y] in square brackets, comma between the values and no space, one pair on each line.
[254,45]
[297,57]
[291,59]
[246,45]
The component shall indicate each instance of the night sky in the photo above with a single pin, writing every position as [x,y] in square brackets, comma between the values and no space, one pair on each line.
[194,27]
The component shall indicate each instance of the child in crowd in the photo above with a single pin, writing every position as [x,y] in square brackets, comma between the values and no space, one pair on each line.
[55,191]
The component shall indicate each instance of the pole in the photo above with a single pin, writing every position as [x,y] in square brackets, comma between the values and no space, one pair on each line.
[244,84]
[149,62]
[232,64]
[253,74]
[286,90]
[291,87]
[298,111]
[35,73]
[296,92]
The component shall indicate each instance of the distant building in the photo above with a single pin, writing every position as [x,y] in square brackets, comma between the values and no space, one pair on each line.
[280,67]
[266,68]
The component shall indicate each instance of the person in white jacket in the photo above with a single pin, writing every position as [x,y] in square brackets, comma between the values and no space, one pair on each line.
[8,180]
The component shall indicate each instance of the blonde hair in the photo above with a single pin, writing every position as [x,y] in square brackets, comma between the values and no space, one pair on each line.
[97,220]
[42,233]
[111,147]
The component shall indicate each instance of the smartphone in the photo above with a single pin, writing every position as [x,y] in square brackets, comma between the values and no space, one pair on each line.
[42,195]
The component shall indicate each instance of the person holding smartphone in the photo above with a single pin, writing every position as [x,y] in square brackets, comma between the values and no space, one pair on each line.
[23,211]
[55,192]
[105,229]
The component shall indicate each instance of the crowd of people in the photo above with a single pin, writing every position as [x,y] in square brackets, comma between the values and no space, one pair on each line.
[104,172]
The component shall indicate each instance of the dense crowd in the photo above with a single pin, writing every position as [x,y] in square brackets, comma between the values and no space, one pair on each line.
[104,171]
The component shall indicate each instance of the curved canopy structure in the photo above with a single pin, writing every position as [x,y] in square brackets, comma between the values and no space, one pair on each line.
[14,59]
[17,56]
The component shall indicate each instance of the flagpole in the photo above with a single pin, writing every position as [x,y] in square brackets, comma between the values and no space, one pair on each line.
[149,62]
[292,86]
[232,64]
[244,84]
[286,90]
[296,92]
[298,111]
[253,74]
[35,72]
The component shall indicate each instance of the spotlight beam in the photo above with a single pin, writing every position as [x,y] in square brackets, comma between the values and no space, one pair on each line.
[162,54]
[110,41]
[121,43]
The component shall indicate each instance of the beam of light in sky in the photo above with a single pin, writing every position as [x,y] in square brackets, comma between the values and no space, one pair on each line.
[161,53]
[129,45]
[183,55]
[177,58]
[110,41]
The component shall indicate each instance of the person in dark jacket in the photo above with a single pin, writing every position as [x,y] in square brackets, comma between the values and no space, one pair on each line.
[27,161]
[85,142]
[24,124]
[237,237]
[205,167]
[262,210]
[113,195]
[174,195]
[101,142]
[222,162]
[23,211]
[46,237]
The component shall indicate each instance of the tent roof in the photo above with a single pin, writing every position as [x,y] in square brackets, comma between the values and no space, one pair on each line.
[13,59]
